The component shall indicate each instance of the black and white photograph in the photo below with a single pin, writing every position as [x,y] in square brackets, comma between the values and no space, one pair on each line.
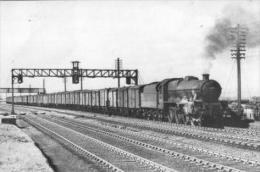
[130,86]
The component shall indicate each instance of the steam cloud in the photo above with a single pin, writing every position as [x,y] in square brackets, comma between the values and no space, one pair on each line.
[219,38]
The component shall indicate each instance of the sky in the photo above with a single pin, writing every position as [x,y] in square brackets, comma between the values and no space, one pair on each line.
[162,39]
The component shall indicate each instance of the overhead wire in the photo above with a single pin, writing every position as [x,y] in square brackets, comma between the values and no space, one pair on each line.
[246,83]
[225,93]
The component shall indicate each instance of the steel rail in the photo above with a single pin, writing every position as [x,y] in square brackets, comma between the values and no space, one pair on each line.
[178,145]
[119,151]
[229,157]
[173,129]
[193,148]
[74,146]
[180,132]
[249,131]
[230,130]
[175,154]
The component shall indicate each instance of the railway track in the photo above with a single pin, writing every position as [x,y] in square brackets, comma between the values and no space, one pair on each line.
[194,163]
[240,142]
[181,130]
[80,150]
[162,144]
[105,155]
[159,141]
[229,130]
[248,131]
[201,133]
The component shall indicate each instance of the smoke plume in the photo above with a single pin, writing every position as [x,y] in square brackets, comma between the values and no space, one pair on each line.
[219,37]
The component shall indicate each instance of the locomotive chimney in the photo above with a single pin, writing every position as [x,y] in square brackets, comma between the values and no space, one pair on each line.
[205,76]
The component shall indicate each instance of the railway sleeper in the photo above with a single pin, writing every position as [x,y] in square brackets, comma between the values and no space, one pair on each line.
[199,149]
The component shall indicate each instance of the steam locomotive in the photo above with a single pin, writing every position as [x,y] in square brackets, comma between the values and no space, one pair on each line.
[185,100]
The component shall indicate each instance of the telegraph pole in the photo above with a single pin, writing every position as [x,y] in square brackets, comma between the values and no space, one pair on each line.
[238,53]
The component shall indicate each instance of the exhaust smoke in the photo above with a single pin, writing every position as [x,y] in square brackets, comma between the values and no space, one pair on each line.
[219,37]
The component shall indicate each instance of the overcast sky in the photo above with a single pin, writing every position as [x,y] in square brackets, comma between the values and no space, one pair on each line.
[161,39]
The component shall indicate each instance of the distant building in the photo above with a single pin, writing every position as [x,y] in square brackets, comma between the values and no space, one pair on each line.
[255,99]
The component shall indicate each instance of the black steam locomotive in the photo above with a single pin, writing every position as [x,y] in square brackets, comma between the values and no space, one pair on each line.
[179,100]
[183,100]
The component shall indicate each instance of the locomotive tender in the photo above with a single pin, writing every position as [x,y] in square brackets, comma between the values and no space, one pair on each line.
[185,100]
